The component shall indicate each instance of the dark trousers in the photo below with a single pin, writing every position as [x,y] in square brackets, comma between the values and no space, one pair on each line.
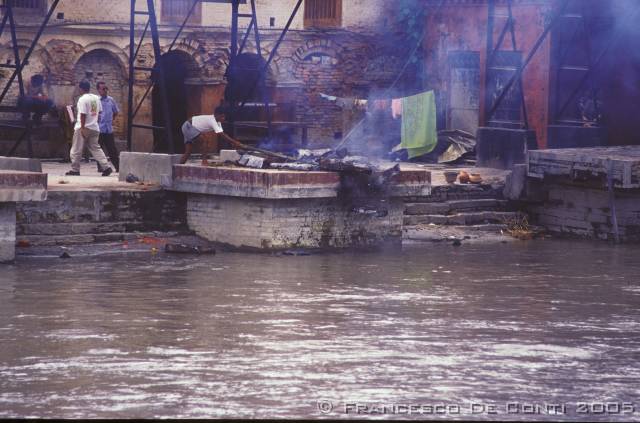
[108,145]
[35,105]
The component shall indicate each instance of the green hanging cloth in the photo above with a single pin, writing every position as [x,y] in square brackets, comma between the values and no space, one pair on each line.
[419,132]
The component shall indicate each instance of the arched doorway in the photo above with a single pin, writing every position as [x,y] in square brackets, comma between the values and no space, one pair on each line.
[183,98]
[102,65]
[243,76]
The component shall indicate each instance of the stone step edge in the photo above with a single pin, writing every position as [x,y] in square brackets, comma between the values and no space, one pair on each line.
[463,219]
[449,207]
[52,240]
[485,227]
[84,228]
[438,196]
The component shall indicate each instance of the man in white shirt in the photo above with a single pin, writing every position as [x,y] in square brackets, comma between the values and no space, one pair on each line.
[87,130]
[202,124]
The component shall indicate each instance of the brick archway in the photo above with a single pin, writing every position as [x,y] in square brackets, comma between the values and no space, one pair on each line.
[101,65]
[182,75]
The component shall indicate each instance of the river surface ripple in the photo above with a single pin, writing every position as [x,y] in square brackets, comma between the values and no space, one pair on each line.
[240,335]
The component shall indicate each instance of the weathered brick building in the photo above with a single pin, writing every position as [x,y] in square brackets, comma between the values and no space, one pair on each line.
[581,87]
[327,50]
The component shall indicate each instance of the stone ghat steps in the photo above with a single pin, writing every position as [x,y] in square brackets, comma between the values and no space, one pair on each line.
[94,228]
[103,206]
[456,206]
[465,219]
[443,193]
[84,217]
[53,240]
[432,233]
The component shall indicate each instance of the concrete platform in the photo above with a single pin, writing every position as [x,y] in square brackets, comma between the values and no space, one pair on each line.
[282,184]
[89,180]
[16,186]
[22,186]
[265,209]
[568,192]
[588,164]
[147,167]
[260,209]
[254,183]
[22,164]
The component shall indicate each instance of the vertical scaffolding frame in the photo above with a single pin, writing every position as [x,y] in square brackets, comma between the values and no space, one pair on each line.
[560,62]
[517,76]
[492,53]
[237,104]
[156,74]
[18,68]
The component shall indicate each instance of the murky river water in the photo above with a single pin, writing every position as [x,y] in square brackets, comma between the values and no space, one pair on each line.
[473,330]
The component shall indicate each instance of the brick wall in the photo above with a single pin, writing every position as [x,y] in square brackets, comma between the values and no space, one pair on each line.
[281,224]
[7,232]
[334,62]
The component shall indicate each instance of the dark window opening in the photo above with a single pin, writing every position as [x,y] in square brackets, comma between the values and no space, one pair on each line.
[31,5]
[174,11]
[509,113]
[322,13]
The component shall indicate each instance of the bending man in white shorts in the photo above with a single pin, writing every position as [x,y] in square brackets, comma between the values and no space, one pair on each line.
[202,124]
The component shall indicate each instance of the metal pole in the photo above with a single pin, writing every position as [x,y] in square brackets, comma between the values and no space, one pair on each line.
[533,51]
[155,36]
[491,11]
[612,201]
[16,52]
[274,50]
[130,114]
[594,65]
[512,27]
[5,18]
[30,50]
[246,35]
[184,23]
[150,86]
[234,30]
[144,33]
[262,77]
[231,118]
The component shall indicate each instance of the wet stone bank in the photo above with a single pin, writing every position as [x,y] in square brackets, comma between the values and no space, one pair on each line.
[86,216]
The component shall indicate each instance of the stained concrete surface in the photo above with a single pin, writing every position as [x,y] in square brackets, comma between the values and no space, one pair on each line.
[89,180]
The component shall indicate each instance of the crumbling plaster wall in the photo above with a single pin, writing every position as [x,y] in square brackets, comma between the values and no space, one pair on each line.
[336,62]
[356,14]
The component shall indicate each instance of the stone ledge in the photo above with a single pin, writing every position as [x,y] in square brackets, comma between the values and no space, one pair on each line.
[18,186]
[282,184]
[588,164]
[148,167]
[255,183]
[21,164]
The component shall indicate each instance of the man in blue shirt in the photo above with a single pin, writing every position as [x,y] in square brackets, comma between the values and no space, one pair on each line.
[109,112]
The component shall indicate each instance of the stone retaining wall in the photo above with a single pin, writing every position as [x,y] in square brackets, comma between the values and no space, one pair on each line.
[65,210]
[7,232]
[586,212]
[268,224]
